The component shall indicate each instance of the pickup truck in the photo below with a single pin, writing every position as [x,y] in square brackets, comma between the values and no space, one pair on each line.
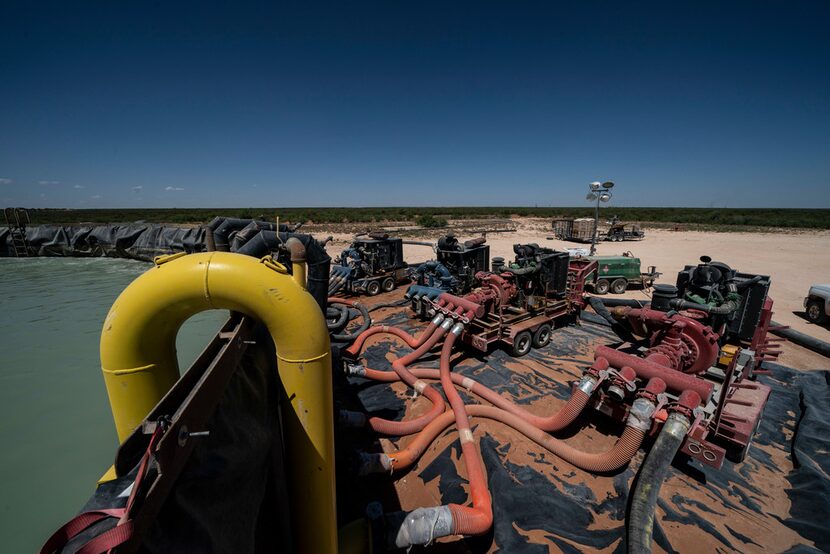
[817,303]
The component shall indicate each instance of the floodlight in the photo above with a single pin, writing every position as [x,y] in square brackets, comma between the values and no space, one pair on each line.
[605,197]
[608,185]
[595,185]
[591,196]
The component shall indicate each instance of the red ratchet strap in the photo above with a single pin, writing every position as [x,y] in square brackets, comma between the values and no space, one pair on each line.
[119,534]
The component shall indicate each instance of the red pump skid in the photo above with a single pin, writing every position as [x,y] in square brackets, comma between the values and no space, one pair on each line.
[497,321]
[691,345]
[681,347]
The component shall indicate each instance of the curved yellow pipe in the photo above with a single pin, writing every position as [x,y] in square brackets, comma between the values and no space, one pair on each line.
[138,358]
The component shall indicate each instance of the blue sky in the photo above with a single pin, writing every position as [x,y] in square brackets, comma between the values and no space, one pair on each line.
[184,104]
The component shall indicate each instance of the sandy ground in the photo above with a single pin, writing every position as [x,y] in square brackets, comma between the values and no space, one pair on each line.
[793,260]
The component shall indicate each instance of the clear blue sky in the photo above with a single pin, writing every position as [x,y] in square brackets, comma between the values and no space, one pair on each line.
[130,104]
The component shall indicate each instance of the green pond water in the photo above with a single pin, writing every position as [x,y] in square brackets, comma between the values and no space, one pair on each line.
[56,432]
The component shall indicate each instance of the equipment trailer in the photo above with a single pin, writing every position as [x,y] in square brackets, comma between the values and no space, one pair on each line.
[372,263]
[616,274]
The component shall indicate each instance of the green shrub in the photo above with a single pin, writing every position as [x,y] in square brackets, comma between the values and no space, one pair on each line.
[427,220]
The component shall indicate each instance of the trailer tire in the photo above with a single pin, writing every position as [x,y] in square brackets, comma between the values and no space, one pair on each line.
[618,286]
[388,284]
[522,344]
[541,338]
[601,286]
[372,288]
[815,311]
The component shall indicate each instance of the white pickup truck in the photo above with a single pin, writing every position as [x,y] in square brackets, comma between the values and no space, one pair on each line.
[817,303]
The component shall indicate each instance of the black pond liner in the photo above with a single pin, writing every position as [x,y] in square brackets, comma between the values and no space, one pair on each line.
[551,505]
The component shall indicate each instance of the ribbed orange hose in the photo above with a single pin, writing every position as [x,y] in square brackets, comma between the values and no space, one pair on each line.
[622,451]
[411,341]
[402,428]
[556,422]
[478,519]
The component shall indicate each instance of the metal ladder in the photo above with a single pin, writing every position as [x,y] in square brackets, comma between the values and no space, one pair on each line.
[16,220]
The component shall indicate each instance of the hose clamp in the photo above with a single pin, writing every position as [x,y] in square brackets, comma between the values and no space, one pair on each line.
[640,415]
[587,384]
[354,369]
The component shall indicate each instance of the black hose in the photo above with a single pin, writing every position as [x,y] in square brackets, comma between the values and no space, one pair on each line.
[336,317]
[621,330]
[614,302]
[224,227]
[649,480]
[367,321]
[748,282]
[593,318]
[801,339]
[398,304]
[251,230]
[724,309]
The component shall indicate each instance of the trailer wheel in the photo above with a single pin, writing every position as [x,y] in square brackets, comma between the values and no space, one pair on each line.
[372,288]
[815,311]
[522,343]
[541,337]
[388,284]
[619,286]
[601,286]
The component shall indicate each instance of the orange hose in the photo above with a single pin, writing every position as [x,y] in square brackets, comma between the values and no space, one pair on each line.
[402,428]
[556,422]
[411,341]
[478,519]
[601,462]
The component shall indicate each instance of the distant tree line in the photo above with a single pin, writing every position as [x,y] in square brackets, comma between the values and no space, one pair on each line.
[705,217]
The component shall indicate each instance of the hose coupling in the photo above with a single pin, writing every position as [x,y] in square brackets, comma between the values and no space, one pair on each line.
[622,384]
[641,414]
[356,370]
[587,384]
[677,425]
[422,526]
[457,329]
[438,319]
[349,418]
[447,324]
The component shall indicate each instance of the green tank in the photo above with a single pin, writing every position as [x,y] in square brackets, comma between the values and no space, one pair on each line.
[617,273]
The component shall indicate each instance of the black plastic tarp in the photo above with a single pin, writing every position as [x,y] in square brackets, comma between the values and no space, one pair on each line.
[136,241]
[778,499]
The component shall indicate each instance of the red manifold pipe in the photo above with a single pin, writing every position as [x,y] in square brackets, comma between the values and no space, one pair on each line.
[469,306]
[675,380]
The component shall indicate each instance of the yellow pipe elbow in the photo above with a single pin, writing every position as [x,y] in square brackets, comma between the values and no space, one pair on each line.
[138,359]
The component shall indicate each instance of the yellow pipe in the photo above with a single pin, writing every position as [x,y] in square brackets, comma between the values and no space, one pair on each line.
[299,273]
[138,358]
